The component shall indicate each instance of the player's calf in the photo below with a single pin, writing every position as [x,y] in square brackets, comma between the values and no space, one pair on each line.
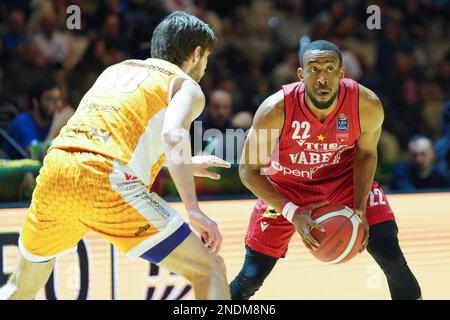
[28,278]
[205,270]
[401,281]
[211,269]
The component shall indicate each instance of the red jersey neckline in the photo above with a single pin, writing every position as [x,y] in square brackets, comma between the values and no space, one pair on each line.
[310,116]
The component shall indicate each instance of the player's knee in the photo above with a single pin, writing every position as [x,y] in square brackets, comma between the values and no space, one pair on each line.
[212,266]
[394,265]
[252,278]
[246,283]
[217,266]
[388,256]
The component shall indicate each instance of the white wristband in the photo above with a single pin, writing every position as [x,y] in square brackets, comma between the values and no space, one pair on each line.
[289,210]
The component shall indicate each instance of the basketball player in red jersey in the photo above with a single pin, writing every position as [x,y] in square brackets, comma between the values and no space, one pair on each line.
[326,152]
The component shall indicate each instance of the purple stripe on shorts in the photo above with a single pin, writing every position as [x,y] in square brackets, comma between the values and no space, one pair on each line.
[165,247]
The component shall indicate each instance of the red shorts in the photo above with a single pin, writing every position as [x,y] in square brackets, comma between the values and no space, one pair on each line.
[269,232]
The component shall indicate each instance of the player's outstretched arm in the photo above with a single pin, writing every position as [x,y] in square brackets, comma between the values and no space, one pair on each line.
[186,104]
[371,119]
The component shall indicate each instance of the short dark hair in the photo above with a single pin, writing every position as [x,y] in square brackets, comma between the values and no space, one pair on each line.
[306,45]
[177,36]
[39,87]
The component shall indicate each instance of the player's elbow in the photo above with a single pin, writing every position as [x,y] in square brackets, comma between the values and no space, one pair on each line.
[174,136]
[242,171]
[367,153]
[245,173]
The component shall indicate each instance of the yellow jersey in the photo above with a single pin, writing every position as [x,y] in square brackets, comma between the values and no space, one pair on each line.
[121,117]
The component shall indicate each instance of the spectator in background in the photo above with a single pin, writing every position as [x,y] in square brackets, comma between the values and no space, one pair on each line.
[418,172]
[212,19]
[52,43]
[321,26]
[442,146]
[139,19]
[15,34]
[22,70]
[209,131]
[350,61]
[219,111]
[78,42]
[43,123]
[391,43]
[290,25]
[443,76]
[414,18]
[286,70]
[403,102]
[343,24]
[111,31]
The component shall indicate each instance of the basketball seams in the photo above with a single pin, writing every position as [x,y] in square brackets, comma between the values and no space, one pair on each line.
[350,215]
[351,242]
[332,215]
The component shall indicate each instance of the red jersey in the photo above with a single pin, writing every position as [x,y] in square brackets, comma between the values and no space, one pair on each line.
[313,163]
[314,159]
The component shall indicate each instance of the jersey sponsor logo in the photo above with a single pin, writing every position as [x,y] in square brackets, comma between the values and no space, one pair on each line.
[321,147]
[264,225]
[342,122]
[129,177]
[142,230]
[270,213]
[310,157]
[92,106]
[122,181]
[151,199]
[314,153]
[316,161]
[287,171]
[342,137]
[334,248]
[98,135]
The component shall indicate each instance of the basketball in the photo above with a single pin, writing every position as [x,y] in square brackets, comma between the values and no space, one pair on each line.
[343,234]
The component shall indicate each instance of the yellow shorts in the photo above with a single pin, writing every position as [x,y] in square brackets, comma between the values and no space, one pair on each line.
[77,192]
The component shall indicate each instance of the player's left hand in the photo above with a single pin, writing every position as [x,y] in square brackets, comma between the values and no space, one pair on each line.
[362,216]
[200,165]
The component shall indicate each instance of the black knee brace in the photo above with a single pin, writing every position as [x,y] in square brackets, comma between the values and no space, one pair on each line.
[255,270]
[387,253]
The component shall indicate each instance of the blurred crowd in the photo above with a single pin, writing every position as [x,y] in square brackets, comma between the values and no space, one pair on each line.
[406,62]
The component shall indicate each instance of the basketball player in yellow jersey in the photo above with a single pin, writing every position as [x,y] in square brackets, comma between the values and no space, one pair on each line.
[98,171]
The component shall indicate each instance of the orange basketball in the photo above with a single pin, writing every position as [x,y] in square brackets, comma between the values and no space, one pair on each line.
[343,237]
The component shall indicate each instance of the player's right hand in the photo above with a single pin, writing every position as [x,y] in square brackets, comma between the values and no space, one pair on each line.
[208,230]
[303,223]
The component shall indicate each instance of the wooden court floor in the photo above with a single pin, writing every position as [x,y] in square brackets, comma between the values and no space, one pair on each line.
[423,220]
[424,233]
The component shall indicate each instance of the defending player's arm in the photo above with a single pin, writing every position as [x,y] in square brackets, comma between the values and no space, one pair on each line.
[256,153]
[371,119]
[186,104]
[201,164]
